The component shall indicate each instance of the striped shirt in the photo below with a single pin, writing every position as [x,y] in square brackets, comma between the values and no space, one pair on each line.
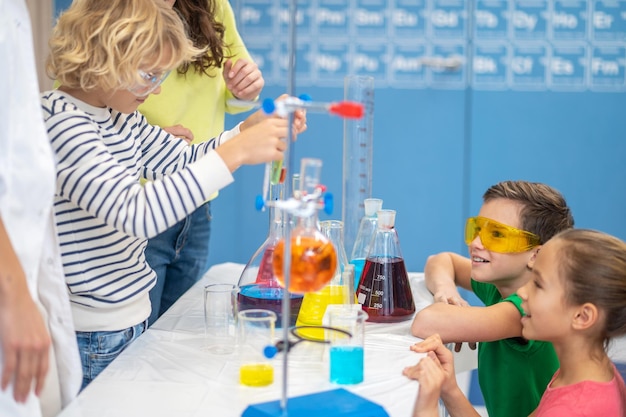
[104,216]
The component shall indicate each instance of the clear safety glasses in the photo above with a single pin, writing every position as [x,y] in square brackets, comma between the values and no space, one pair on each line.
[150,82]
[498,237]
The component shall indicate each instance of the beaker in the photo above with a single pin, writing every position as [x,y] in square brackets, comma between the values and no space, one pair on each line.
[367,229]
[384,291]
[346,349]
[357,155]
[337,291]
[258,287]
[255,333]
[333,230]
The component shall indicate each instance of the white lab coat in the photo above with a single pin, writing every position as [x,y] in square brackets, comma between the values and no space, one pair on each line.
[27,184]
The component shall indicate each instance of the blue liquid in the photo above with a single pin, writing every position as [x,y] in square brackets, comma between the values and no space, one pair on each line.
[268,298]
[358,270]
[346,364]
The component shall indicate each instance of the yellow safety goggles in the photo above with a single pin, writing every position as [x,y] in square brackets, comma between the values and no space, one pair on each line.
[498,237]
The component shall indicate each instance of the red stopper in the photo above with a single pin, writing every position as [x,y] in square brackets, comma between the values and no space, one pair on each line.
[347,109]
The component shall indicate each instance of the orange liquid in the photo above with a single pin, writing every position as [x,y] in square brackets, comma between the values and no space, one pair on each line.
[313,263]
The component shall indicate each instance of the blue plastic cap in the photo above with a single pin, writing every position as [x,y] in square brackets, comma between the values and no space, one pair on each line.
[259,203]
[305,97]
[270,351]
[268,106]
[328,203]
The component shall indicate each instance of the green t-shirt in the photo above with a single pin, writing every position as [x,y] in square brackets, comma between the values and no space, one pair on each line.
[513,373]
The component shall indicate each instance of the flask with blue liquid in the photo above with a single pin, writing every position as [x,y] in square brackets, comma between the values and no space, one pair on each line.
[367,229]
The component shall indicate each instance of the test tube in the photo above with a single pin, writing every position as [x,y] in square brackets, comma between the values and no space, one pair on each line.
[357,155]
[310,174]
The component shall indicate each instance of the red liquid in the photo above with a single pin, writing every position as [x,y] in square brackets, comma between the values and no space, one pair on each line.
[265,276]
[269,298]
[385,292]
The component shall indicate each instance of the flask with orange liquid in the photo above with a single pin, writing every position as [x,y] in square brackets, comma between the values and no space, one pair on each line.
[258,286]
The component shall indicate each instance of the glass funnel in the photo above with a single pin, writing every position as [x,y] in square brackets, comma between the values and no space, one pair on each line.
[384,291]
[258,287]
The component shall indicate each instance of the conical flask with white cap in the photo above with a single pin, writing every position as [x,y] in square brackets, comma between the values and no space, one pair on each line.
[384,291]
[367,229]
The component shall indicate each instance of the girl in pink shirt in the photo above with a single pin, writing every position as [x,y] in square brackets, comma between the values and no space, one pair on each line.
[576,299]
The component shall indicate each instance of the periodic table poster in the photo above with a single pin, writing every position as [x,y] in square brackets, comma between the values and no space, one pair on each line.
[526,45]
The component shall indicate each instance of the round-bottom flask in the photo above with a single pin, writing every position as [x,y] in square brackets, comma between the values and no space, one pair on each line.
[258,287]
[384,291]
[313,258]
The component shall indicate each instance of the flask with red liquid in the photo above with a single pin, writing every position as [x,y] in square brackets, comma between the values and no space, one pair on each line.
[384,291]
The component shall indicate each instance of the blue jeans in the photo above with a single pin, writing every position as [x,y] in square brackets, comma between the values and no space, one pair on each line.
[98,349]
[179,256]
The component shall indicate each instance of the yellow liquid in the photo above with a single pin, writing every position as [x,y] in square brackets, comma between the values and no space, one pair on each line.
[314,306]
[256,374]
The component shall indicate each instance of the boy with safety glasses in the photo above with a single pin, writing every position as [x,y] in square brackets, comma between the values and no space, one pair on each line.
[516,218]
[108,57]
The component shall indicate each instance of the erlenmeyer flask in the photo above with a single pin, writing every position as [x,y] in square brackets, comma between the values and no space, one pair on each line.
[258,287]
[337,291]
[367,229]
[384,291]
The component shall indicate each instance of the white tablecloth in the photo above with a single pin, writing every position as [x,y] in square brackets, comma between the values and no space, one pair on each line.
[166,372]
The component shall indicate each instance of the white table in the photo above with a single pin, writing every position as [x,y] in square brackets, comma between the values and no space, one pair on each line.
[166,372]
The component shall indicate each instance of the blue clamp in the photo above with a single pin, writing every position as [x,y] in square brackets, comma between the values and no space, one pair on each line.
[270,351]
[328,203]
[259,203]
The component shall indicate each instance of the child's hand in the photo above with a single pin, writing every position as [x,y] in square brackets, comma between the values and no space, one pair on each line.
[181,132]
[445,359]
[453,298]
[431,377]
[243,79]
[262,142]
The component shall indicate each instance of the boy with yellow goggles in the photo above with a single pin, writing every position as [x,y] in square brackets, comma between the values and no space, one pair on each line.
[496,267]
[499,237]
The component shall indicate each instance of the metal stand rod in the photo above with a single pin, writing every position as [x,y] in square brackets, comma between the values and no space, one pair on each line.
[288,192]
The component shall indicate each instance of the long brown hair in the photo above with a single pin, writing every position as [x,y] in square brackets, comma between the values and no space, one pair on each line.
[204,31]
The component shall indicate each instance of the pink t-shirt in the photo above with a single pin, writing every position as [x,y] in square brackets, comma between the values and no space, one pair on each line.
[584,399]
